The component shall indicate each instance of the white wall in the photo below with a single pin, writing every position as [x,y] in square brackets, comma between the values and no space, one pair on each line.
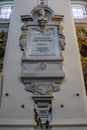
[74,107]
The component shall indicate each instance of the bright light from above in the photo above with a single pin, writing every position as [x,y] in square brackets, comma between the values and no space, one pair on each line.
[78,11]
[5,12]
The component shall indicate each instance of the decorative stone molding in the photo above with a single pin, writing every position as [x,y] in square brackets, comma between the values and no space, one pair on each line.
[43,111]
[42,13]
[23,37]
[42,88]
[42,42]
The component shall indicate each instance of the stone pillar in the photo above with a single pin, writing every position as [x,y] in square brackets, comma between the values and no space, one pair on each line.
[69,106]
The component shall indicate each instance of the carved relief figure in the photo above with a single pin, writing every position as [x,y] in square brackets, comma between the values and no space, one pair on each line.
[23,38]
[61,37]
[42,19]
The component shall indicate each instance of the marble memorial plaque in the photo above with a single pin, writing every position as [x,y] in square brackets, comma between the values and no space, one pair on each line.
[42,44]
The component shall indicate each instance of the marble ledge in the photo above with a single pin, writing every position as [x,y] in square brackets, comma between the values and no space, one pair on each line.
[68,123]
[54,123]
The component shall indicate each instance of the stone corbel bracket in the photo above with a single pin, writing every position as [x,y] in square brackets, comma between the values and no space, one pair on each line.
[43,111]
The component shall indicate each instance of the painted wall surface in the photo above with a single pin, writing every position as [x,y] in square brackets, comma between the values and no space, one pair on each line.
[0,85]
[14,95]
